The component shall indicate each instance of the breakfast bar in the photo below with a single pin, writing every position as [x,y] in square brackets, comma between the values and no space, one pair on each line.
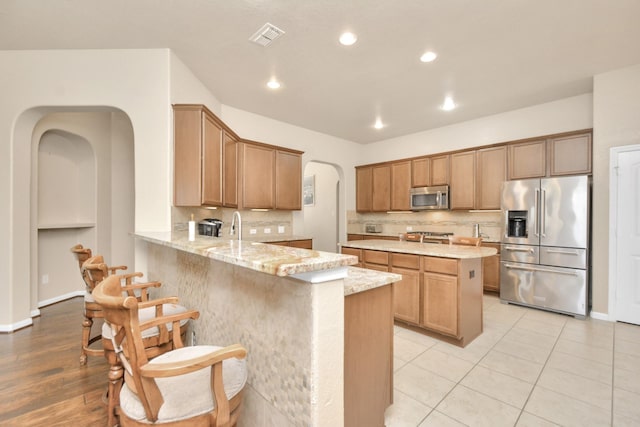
[304,316]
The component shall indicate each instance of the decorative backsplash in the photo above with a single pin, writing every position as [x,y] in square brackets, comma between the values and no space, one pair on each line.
[257,220]
[459,223]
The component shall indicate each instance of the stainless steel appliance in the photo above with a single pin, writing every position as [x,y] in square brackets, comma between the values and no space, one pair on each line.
[544,256]
[210,227]
[427,236]
[425,198]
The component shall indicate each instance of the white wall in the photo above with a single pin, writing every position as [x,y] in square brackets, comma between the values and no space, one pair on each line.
[554,117]
[35,83]
[616,122]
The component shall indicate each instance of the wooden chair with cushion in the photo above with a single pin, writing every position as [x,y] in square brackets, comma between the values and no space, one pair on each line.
[156,341]
[91,309]
[465,241]
[188,386]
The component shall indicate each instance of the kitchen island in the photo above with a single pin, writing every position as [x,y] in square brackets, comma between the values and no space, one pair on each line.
[440,293]
[301,314]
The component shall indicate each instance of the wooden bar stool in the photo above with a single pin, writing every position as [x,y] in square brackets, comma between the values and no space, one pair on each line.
[200,385]
[91,309]
[465,241]
[156,340]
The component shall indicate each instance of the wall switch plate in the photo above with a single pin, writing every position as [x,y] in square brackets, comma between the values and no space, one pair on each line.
[267,230]
[252,231]
[409,228]
[45,279]
[281,229]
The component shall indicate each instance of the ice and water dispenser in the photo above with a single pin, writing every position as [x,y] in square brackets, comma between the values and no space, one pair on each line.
[517,223]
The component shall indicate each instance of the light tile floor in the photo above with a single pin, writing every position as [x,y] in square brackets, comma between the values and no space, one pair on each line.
[528,368]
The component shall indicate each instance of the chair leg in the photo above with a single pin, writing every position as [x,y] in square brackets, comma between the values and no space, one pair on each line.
[116,374]
[86,332]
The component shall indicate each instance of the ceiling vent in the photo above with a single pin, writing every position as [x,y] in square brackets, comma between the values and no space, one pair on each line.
[266,35]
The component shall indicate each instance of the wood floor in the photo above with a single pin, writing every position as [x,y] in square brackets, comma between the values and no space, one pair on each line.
[41,380]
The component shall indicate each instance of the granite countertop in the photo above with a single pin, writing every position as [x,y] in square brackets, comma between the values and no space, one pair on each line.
[310,265]
[362,279]
[428,249]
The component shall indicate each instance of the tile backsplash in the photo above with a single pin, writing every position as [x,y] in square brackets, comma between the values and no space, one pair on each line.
[459,223]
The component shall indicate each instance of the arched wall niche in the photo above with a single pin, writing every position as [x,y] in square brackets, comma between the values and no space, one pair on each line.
[81,191]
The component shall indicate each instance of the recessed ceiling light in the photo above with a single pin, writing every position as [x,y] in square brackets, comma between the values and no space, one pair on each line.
[273,84]
[348,38]
[378,124]
[428,56]
[448,104]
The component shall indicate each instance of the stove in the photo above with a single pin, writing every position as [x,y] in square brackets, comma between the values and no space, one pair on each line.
[420,236]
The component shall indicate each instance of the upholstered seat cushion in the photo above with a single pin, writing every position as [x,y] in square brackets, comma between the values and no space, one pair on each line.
[190,394]
[149,313]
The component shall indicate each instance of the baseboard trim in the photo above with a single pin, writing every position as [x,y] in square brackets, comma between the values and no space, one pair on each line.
[60,298]
[15,326]
[600,316]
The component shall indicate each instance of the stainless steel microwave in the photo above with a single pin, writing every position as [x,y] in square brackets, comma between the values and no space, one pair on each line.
[425,198]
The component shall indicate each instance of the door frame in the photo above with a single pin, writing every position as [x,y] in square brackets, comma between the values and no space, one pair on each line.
[614,152]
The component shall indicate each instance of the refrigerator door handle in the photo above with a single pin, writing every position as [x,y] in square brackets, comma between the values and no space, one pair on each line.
[542,270]
[543,209]
[536,225]
[563,251]
[517,249]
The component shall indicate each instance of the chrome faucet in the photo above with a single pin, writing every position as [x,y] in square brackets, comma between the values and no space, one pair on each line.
[233,225]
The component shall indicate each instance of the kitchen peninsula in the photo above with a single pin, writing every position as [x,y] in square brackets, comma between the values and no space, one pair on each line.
[319,333]
[441,288]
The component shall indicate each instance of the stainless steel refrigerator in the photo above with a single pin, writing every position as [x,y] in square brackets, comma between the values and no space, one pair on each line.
[544,256]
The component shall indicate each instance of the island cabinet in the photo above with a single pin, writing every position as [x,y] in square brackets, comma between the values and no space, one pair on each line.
[355,252]
[375,260]
[299,243]
[269,177]
[198,156]
[406,292]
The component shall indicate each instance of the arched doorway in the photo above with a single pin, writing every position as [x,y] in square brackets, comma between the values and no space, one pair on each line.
[322,211]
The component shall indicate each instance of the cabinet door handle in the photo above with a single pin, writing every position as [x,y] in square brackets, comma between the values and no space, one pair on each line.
[563,251]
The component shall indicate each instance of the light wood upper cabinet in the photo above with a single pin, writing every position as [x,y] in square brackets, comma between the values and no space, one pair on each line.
[491,172]
[288,180]
[567,154]
[528,159]
[364,189]
[258,176]
[463,176]
[420,172]
[570,155]
[439,168]
[381,184]
[230,193]
[198,156]
[400,186]
[270,178]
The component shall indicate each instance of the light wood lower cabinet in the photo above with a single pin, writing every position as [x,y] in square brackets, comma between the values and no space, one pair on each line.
[354,252]
[440,303]
[302,243]
[406,295]
[491,269]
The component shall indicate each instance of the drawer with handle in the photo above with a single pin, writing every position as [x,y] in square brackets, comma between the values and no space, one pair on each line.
[519,253]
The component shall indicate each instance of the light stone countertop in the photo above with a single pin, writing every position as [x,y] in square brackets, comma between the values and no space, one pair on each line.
[270,259]
[444,239]
[362,279]
[428,249]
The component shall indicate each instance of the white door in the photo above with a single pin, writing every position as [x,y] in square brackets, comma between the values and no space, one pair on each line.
[628,237]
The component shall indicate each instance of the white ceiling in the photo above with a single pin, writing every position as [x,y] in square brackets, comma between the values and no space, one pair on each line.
[494,55]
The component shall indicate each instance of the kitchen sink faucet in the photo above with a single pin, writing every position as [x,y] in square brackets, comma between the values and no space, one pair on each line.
[233,225]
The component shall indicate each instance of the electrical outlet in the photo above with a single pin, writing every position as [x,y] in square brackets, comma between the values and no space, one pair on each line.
[267,230]
[45,279]
[409,228]
[281,229]
[252,231]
